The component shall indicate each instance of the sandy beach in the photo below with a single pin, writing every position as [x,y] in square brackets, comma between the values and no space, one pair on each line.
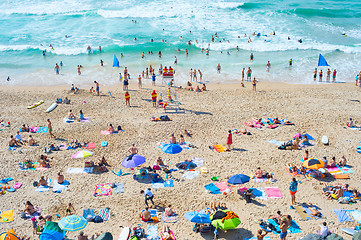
[316,109]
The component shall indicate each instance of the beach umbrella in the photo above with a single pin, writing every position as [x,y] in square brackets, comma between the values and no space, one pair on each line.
[172,148]
[9,235]
[225,224]
[82,154]
[313,164]
[52,231]
[197,217]
[133,161]
[72,223]
[238,179]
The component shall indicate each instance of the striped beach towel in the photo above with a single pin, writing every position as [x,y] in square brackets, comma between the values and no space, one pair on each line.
[104,214]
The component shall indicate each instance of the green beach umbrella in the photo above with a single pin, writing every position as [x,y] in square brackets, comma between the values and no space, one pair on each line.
[227,223]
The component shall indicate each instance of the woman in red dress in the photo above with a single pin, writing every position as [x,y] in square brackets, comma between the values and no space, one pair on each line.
[229,140]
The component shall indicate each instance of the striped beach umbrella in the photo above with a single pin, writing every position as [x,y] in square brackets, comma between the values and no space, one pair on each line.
[73,223]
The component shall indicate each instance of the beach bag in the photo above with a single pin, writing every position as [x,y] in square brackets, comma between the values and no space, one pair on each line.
[98,219]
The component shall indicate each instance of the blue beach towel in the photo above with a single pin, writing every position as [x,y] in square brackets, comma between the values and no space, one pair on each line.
[119,188]
[342,215]
[57,188]
[213,189]
[6,180]
[152,233]
[293,229]
[43,188]
[356,214]
[42,130]
[168,183]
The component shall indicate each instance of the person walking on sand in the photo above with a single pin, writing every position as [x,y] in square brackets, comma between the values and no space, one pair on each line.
[127,98]
[56,68]
[219,68]
[97,87]
[293,190]
[254,84]
[50,129]
[148,196]
[154,98]
[229,140]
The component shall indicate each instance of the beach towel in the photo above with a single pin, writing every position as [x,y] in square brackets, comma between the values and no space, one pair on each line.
[152,233]
[158,184]
[356,214]
[332,169]
[104,214]
[255,238]
[169,219]
[223,186]
[302,213]
[259,193]
[293,229]
[86,119]
[118,188]
[213,189]
[219,148]
[42,130]
[7,216]
[190,174]
[6,180]
[88,213]
[104,132]
[275,142]
[342,215]
[42,168]
[273,192]
[90,145]
[345,169]
[103,190]
[33,129]
[57,187]
[197,161]
[260,180]
[44,188]
[79,170]
[168,183]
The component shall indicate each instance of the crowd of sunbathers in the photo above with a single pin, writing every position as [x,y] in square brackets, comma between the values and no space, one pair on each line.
[65,100]
[337,193]
[17,141]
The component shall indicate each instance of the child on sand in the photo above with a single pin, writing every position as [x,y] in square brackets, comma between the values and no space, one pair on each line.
[154,98]
[127,98]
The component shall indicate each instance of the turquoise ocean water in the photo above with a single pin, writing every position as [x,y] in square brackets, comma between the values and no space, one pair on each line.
[28,27]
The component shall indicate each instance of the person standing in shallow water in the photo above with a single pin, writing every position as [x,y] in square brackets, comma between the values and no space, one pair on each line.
[219,68]
[56,68]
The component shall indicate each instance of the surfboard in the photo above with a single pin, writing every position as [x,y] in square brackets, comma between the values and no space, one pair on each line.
[349,231]
[124,235]
[52,107]
[324,140]
[36,104]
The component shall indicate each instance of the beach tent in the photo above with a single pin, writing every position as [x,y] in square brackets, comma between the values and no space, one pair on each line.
[313,164]
[322,61]
[9,235]
[115,61]
[105,236]
[52,231]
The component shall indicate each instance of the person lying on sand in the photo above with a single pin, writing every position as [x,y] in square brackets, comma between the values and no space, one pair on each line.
[187,133]
[71,114]
[145,215]
[336,194]
[314,211]
[25,128]
[27,163]
[43,162]
[244,132]
[42,182]
[167,234]
[276,121]
[60,178]
[102,162]
[276,217]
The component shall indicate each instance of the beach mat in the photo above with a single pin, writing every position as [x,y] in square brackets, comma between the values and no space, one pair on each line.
[169,219]
[7,216]
[219,148]
[168,183]
[223,186]
[103,190]
[273,192]
[159,184]
[302,213]
[294,228]
[342,215]
[104,214]
[60,187]
[356,214]
[259,193]
[118,188]
[212,188]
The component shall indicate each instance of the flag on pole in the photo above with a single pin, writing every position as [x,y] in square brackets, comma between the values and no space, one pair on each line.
[322,61]
[115,61]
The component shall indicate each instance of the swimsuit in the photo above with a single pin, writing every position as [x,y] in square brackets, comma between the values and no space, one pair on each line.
[97,89]
[283,235]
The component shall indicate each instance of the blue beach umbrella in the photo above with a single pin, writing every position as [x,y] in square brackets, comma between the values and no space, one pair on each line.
[72,223]
[172,148]
[238,179]
[197,217]
[133,161]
